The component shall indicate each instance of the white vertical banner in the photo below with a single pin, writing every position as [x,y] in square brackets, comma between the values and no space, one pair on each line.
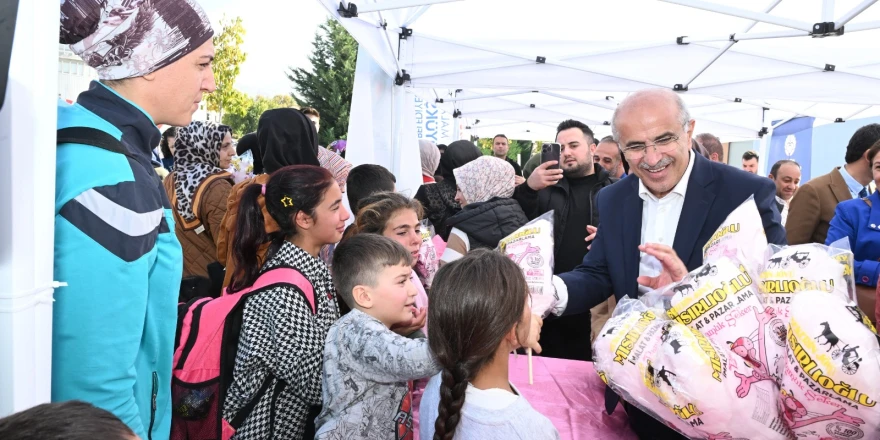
[27,199]
[433,123]
[407,158]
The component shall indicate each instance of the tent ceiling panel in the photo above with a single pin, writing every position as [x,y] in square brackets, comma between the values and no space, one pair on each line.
[831,87]
[451,48]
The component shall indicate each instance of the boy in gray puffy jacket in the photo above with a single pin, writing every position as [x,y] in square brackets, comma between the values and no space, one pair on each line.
[369,369]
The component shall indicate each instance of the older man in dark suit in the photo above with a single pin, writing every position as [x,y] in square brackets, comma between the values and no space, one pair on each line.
[655,221]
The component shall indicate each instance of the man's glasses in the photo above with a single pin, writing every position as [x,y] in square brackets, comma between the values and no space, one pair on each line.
[663,145]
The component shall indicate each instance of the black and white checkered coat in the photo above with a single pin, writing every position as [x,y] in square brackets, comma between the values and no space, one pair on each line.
[280,335]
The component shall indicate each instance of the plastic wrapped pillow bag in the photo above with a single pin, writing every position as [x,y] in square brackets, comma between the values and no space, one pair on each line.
[624,355]
[741,236]
[429,260]
[720,300]
[791,269]
[831,382]
[531,248]
[242,167]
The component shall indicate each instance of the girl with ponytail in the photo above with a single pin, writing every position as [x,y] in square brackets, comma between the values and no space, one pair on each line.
[283,328]
[397,217]
[479,313]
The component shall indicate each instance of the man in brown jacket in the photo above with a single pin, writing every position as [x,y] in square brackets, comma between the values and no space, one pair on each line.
[812,207]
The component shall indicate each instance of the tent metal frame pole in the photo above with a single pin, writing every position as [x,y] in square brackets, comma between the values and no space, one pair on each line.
[533,59]
[744,13]
[796,115]
[784,75]
[853,13]
[579,101]
[742,36]
[828,11]
[525,62]
[388,5]
[390,46]
[503,65]
[480,114]
[864,26]
[729,44]
[488,96]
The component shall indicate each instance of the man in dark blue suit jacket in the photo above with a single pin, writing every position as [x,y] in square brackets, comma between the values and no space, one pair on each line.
[654,129]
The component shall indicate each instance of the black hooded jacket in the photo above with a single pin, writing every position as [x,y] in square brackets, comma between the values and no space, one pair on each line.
[488,222]
[438,199]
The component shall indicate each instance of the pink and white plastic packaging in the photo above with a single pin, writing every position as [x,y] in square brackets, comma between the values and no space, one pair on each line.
[531,248]
[624,356]
[831,380]
[429,259]
[720,301]
[788,270]
[741,236]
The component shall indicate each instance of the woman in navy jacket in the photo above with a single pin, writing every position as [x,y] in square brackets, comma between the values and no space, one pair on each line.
[859,220]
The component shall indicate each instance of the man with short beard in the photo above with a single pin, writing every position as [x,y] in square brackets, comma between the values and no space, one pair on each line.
[570,191]
[659,217]
[608,155]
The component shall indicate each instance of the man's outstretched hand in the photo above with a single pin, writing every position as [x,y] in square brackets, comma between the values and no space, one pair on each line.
[673,270]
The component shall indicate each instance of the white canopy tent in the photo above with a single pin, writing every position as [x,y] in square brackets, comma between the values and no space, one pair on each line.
[738,66]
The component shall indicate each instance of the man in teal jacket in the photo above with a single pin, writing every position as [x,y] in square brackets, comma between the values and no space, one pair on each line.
[114,326]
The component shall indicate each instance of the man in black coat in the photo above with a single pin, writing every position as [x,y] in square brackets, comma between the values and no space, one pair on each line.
[570,192]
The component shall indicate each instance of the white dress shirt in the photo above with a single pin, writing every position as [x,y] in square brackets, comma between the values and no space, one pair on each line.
[660,220]
[784,212]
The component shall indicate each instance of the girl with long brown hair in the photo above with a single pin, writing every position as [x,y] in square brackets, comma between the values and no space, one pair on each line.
[397,217]
[479,313]
[281,344]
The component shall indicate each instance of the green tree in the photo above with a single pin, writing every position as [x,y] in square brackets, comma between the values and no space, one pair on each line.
[228,57]
[327,86]
[246,122]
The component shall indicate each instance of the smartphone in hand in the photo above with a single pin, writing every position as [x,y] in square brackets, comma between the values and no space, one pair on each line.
[551,151]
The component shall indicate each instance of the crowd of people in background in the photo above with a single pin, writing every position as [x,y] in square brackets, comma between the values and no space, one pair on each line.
[334,320]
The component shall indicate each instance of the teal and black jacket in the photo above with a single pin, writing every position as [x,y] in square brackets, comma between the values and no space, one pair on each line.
[114,325]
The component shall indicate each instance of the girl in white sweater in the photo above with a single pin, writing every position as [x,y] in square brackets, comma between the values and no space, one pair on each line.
[479,313]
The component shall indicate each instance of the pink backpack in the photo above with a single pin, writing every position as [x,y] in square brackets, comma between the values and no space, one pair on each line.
[204,358]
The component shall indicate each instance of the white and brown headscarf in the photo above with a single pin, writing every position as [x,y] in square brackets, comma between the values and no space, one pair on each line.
[196,156]
[131,38]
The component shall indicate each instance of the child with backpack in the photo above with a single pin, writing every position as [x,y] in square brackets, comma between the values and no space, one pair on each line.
[248,364]
[369,369]
[479,313]
[397,217]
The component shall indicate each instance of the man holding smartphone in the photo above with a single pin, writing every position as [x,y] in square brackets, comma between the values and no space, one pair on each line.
[569,187]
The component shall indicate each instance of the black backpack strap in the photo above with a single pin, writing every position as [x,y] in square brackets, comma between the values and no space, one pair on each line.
[91,136]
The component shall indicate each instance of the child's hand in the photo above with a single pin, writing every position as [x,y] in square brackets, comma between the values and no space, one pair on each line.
[534,334]
[417,322]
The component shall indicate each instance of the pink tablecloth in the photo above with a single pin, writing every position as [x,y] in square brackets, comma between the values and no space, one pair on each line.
[571,395]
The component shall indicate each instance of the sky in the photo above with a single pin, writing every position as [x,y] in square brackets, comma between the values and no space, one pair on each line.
[279,34]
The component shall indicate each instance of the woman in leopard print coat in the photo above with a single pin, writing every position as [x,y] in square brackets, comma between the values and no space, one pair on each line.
[281,344]
[198,189]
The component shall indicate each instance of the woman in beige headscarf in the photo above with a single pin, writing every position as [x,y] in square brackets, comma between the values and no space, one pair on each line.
[488,213]
[430,160]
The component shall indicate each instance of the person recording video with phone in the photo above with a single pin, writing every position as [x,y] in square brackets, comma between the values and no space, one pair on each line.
[568,186]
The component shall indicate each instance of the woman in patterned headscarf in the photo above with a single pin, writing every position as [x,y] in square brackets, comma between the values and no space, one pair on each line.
[489,214]
[113,329]
[198,189]
[439,199]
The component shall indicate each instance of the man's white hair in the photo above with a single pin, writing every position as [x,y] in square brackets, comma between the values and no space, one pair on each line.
[684,116]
